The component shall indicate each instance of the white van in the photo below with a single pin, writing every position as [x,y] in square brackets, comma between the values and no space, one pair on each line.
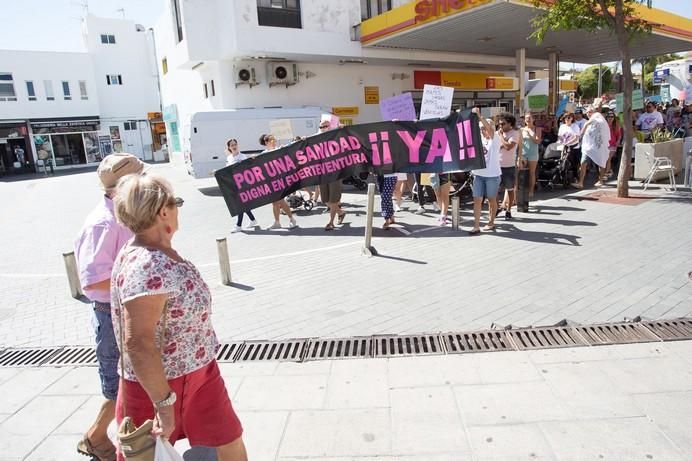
[206,133]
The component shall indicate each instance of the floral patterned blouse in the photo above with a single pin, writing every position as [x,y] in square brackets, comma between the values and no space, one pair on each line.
[190,340]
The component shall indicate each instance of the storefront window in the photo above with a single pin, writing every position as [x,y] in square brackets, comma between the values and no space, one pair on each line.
[44,149]
[91,146]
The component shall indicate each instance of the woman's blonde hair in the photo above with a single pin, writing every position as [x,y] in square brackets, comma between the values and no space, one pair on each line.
[138,200]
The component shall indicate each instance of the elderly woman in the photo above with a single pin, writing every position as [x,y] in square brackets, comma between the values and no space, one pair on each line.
[162,322]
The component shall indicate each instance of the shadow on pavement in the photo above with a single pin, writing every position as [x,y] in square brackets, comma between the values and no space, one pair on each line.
[531,236]
[397,258]
[240,286]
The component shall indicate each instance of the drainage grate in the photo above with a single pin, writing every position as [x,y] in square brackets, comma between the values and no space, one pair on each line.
[73,356]
[339,348]
[616,333]
[263,351]
[26,357]
[476,341]
[670,330]
[544,338]
[228,352]
[393,346]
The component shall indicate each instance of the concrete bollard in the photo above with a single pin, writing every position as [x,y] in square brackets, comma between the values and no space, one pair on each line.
[224,261]
[455,213]
[368,249]
[72,275]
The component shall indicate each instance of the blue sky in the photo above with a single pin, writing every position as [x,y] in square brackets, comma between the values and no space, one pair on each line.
[54,25]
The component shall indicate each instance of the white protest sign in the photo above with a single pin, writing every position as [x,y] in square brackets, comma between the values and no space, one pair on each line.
[281,129]
[437,102]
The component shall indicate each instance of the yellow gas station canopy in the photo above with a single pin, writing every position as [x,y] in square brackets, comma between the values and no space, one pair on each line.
[500,27]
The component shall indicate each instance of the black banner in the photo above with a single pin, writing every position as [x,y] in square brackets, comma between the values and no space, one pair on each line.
[429,146]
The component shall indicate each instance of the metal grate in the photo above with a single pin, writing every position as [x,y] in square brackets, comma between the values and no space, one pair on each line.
[670,330]
[397,346]
[476,341]
[228,352]
[26,357]
[616,333]
[73,356]
[544,338]
[263,351]
[339,348]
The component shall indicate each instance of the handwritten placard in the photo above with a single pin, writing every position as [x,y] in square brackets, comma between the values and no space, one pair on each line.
[398,108]
[281,129]
[437,101]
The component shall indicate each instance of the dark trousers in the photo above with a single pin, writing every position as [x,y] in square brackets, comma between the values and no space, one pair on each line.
[240,218]
[420,194]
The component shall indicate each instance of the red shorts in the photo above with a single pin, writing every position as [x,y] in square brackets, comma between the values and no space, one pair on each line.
[203,412]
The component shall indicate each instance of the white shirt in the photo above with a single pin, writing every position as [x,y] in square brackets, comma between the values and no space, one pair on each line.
[492,158]
[233,159]
[649,121]
[568,135]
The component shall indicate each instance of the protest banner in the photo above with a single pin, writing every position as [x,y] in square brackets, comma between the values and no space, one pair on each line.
[398,108]
[437,102]
[433,146]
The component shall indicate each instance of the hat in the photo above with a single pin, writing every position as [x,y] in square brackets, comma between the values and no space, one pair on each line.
[579,111]
[115,166]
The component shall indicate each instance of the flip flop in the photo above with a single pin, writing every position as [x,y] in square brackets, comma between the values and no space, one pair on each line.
[475,232]
[329,227]
[489,228]
[340,218]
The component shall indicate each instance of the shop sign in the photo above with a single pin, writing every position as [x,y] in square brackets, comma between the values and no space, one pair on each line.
[84,125]
[427,9]
[372,94]
[500,83]
[154,115]
[347,111]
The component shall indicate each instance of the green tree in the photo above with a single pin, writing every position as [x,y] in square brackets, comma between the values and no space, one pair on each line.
[620,17]
[588,81]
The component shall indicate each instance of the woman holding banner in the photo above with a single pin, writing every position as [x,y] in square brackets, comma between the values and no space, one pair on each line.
[269,142]
[233,156]
[331,192]
[486,181]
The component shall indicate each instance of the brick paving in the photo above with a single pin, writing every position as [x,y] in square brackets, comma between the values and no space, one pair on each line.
[571,257]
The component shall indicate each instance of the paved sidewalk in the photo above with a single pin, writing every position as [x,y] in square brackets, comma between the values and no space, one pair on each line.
[631,402]
[571,257]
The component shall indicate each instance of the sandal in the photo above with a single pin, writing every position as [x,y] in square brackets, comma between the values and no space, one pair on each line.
[489,227]
[387,223]
[329,227]
[475,232]
[102,453]
[340,218]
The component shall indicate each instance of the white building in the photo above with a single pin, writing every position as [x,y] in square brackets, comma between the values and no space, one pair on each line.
[220,54]
[71,109]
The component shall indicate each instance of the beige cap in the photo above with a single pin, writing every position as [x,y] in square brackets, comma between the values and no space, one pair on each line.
[117,165]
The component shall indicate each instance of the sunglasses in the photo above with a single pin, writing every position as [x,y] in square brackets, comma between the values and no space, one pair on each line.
[178,202]
[324,127]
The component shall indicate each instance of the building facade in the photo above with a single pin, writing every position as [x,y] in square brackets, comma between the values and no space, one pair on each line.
[216,54]
[71,109]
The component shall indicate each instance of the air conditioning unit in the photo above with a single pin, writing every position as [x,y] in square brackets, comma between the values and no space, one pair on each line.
[282,73]
[245,75]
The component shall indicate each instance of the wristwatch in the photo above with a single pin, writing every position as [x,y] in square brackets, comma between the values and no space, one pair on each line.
[168,401]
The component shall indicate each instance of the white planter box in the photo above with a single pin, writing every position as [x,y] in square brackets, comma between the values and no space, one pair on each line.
[671,149]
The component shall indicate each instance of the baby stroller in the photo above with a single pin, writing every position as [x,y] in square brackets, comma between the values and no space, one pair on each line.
[555,167]
[297,200]
[359,181]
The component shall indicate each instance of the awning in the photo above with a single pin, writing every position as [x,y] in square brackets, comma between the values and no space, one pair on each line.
[500,27]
